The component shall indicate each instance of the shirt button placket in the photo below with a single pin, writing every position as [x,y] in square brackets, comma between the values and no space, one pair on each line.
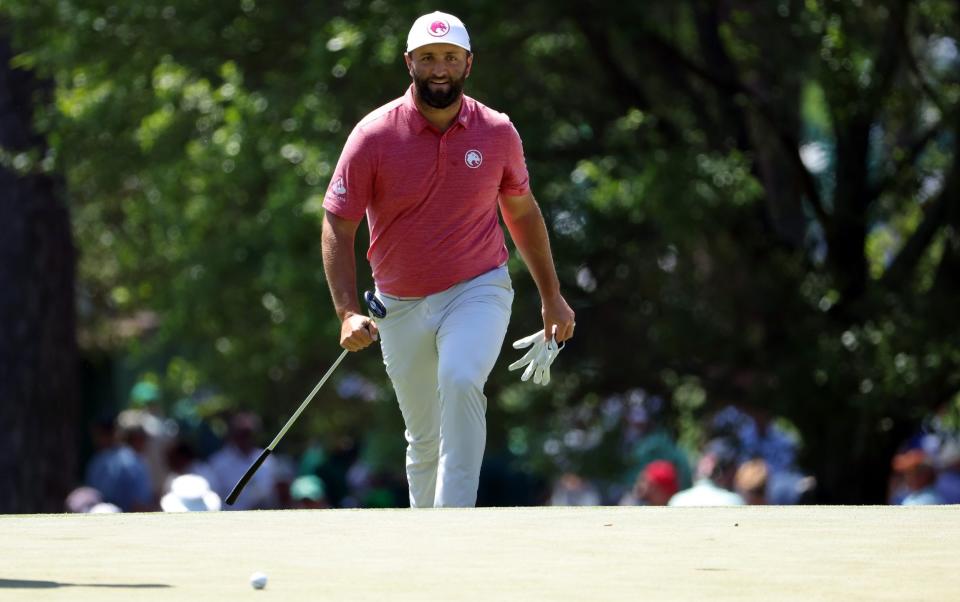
[442,156]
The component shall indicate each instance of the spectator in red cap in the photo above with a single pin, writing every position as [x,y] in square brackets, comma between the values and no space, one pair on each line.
[656,484]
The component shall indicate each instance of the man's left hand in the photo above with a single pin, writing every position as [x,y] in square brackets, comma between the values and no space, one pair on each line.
[558,318]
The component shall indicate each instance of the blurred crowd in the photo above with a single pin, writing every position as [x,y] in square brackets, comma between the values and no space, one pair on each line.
[749,460]
[145,461]
[926,469]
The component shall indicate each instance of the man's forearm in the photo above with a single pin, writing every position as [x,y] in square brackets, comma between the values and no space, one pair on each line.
[339,265]
[529,233]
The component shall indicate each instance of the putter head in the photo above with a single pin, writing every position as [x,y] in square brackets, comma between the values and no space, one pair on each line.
[377,310]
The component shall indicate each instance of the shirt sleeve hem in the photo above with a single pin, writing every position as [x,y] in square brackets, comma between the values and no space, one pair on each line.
[342,212]
[515,191]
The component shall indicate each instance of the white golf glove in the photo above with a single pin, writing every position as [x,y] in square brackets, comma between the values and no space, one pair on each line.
[538,359]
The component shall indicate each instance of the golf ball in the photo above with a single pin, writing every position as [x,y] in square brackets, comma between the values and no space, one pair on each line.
[258,580]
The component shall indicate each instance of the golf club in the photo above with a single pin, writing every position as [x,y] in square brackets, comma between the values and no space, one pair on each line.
[377,310]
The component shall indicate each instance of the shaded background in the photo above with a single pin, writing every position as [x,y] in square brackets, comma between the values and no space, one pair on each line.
[750,202]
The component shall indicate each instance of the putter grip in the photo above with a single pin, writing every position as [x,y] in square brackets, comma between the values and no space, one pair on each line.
[246,477]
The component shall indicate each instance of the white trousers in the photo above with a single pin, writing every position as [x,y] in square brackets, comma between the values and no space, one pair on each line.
[439,351]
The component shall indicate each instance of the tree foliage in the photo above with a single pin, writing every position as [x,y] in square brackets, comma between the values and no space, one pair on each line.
[750,201]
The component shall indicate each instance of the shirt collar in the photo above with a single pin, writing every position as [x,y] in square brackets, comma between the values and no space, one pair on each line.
[466,112]
[418,122]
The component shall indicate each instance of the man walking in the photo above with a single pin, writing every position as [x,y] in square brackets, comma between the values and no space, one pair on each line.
[429,170]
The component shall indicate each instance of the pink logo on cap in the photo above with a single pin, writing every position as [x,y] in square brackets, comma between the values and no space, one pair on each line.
[438,29]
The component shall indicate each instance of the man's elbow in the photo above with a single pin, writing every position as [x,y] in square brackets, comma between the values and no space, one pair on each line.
[335,226]
[516,209]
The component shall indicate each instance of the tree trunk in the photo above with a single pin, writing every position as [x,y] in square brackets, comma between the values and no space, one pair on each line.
[848,453]
[847,238]
[39,397]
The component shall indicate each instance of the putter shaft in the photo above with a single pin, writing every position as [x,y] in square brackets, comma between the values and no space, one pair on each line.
[306,402]
[266,452]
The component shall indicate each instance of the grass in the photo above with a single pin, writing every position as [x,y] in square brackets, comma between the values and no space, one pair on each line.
[753,553]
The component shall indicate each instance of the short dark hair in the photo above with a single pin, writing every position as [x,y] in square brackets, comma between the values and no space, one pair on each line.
[410,52]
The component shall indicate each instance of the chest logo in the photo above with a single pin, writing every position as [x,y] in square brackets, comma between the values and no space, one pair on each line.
[338,188]
[473,159]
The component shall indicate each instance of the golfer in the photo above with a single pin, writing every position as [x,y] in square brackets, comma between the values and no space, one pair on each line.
[428,171]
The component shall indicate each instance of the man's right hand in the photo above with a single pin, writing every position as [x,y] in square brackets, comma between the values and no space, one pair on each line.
[357,332]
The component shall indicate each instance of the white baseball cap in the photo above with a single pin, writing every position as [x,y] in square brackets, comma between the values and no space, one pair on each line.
[190,493]
[438,28]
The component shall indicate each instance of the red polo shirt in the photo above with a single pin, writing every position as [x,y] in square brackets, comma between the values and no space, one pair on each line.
[430,198]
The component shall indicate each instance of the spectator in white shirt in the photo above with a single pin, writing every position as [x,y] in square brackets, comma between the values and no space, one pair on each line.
[715,473]
[226,466]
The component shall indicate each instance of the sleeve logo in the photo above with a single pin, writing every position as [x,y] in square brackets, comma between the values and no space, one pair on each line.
[338,188]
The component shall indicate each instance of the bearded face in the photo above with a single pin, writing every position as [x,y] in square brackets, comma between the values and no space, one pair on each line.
[439,93]
[439,72]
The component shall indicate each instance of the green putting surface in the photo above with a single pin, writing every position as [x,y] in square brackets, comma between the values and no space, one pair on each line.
[607,553]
